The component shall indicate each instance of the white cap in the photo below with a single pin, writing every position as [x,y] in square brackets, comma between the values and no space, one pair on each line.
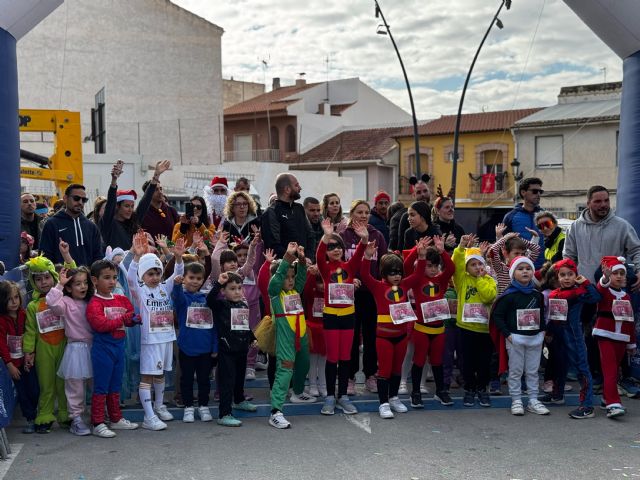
[147,262]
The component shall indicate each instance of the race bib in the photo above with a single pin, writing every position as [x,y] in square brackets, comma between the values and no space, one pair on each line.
[622,311]
[528,318]
[475,313]
[435,311]
[240,318]
[115,313]
[318,307]
[48,322]
[341,293]
[453,306]
[402,313]
[14,342]
[199,317]
[160,321]
[558,309]
[292,304]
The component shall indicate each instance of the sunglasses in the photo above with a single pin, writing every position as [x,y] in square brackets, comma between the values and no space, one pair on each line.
[545,224]
[333,246]
[394,272]
[78,198]
[536,191]
[197,207]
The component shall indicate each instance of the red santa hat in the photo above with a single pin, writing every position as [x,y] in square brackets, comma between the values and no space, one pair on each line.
[566,263]
[219,182]
[614,263]
[122,195]
[518,261]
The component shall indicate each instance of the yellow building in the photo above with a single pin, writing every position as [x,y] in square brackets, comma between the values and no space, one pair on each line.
[485,147]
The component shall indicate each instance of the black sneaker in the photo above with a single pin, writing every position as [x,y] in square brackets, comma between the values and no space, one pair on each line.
[549,399]
[582,412]
[444,398]
[416,400]
[469,399]
[484,399]
[44,427]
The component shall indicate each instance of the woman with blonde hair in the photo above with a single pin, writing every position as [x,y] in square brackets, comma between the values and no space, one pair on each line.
[239,215]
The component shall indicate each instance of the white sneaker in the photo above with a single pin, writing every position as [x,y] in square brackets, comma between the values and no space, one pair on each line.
[250,374]
[397,406]
[313,391]
[403,390]
[304,397]
[153,423]
[164,414]
[323,390]
[123,424]
[423,388]
[517,408]
[535,406]
[103,431]
[188,415]
[205,414]
[385,411]
[277,420]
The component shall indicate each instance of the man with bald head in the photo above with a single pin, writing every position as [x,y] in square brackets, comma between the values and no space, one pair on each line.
[399,224]
[29,221]
[286,221]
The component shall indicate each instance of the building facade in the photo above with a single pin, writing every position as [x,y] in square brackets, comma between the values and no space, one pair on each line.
[572,145]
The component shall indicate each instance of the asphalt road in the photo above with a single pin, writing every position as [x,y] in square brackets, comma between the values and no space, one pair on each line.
[455,444]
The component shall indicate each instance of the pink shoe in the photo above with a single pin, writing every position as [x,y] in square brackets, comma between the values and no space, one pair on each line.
[351,387]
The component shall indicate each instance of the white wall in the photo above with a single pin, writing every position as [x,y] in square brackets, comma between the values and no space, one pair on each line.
[157,62]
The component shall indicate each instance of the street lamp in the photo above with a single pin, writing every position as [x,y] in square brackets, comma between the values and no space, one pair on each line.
[385,29]
[456,135]
[517,176]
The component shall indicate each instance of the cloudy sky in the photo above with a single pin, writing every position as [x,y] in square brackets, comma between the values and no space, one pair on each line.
[542,47]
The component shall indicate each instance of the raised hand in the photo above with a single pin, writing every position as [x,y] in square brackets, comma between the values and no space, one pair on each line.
[269,255]
[116,171]
[606,272]
[439,242]
[63,247]
[300,253]
[580,279]
[197,238]
[422,246]
[161,167]
[161,241]
[361,230]
[257,237]
[484,247]
[500,229]
[291,248]
[62,277]
[313,269]
[224,237]
[140,244]
[370,250]
[223,278]
[327,226]
[450,240]
[178,279]
[179,248]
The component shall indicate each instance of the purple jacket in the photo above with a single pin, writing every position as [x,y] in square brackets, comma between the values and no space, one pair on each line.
[351,242]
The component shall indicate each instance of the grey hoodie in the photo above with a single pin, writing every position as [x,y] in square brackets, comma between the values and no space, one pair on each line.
[588,241]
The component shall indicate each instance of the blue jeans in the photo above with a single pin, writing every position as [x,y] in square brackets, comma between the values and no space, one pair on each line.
[572,343]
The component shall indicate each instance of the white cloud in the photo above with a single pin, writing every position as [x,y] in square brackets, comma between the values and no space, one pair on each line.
[437,40]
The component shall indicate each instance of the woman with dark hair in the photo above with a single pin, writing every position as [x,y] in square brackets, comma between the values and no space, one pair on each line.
[120,221]
[239,216]
[442,216]
[98,210]
[420,225]
[365,305]
[332,209]
[199,222]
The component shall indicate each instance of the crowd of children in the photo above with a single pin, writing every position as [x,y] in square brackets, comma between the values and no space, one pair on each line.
[481,300]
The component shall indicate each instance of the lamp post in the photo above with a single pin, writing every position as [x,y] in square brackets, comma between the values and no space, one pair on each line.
[456,135]
[517,176]
[385,29]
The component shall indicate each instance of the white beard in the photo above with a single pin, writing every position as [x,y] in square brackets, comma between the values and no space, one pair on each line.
[215,203]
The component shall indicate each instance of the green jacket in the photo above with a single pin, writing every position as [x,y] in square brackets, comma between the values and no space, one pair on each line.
[277,294]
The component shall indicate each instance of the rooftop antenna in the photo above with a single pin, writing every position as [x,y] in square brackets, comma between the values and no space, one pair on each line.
[604,72]
[265,66]
[326,60]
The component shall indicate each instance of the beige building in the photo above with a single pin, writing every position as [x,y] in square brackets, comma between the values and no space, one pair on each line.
[572,145]
[237,91]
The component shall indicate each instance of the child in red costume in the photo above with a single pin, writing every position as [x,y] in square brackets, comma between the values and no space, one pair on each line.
[614,329]
[428,332]
[339,312]
[394,310]
[313,303]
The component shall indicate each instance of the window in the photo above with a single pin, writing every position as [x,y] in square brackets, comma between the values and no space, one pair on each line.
[492,163]
[98,123]
[549,151]
[275,138]
[424,164]
[290,138]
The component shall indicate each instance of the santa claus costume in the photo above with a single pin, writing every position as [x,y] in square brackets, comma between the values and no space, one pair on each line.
[614,329]
[215,196]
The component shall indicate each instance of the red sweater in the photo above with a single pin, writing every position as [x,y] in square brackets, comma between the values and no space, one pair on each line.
[103,323]
[385,296]
[264,275]
[606,326]
[430,289]
[329,270]
[9,326]
[310,293]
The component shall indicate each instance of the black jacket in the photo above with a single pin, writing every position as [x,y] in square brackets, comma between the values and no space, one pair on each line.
[228,340]
[394,226]
[81,234]
[120,234]
[379,223]
[450,227]
[285,222]
[411,236]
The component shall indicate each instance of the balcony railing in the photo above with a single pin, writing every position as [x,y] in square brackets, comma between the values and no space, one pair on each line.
[268,155]
[503,189]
